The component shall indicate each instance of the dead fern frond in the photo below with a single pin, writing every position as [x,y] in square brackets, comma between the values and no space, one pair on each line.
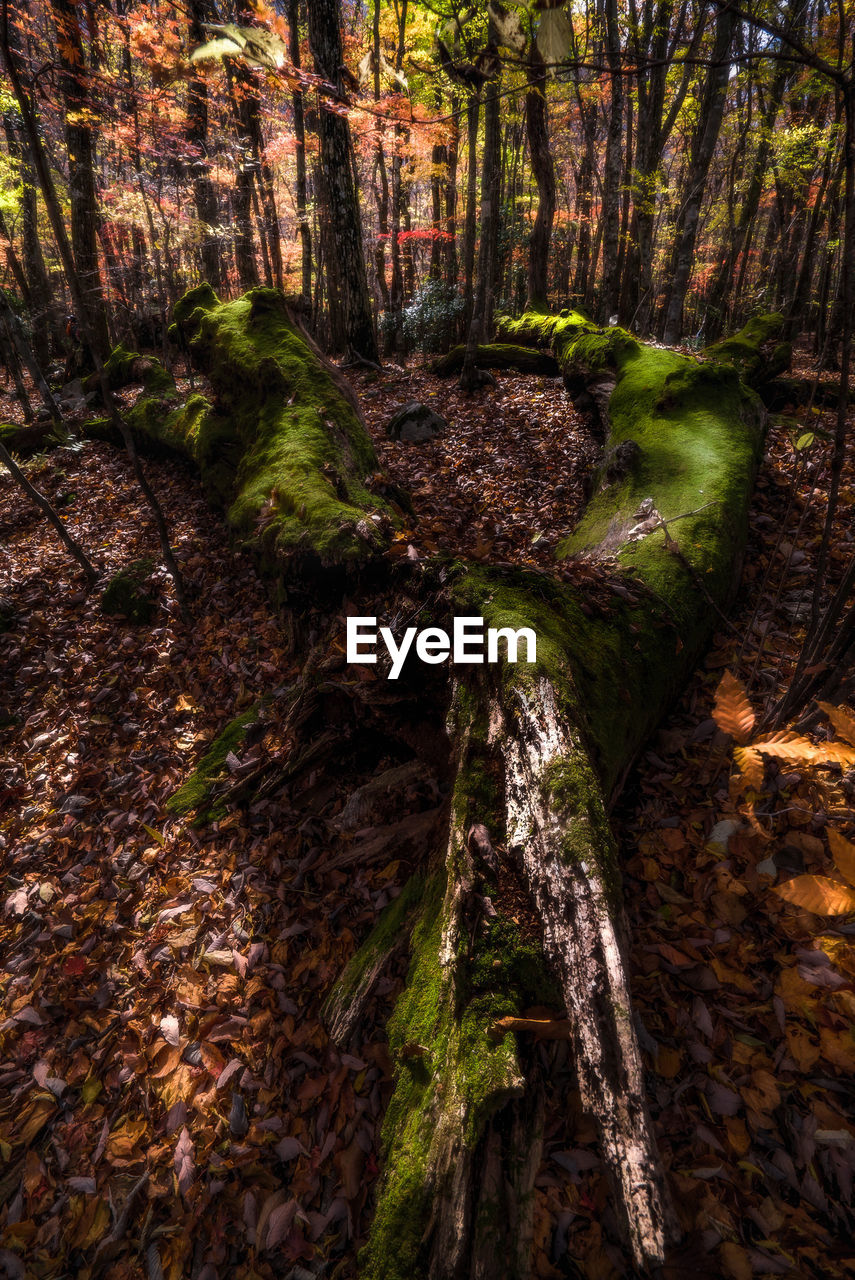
[733,712]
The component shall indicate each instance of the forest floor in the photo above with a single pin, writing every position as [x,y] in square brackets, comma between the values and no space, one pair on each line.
[170,1104]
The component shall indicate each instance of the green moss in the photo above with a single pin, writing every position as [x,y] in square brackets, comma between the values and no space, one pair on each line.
[754,351]
[127,592]
[577,800]
[442,1096]
[498,355]
[385,935]
[699,432]
[281,446]
[123,367]
[194,795]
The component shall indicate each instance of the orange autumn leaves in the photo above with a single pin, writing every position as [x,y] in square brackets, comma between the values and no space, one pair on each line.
[734,715]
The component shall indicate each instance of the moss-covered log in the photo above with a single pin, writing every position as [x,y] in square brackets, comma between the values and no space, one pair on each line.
[541,749]
[281,445]
[499,355]
[30,438]
[757,351]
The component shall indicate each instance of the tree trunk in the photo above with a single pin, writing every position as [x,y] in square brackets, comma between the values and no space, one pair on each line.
[80,149]
[300,161]
[611,183]
[338,169]
[473,113]
[471,377]
[544,172]
[40,303]
[204,193]
[539,752]
[706,136]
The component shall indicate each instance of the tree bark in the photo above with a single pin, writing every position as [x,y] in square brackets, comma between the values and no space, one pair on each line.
[470,377]
[300,160]
[706,136]
[80,149]
[338,169]
[611,183]
[204,193]
[537,131]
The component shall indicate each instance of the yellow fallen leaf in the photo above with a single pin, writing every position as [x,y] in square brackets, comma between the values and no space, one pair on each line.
[818,894]
[843,851]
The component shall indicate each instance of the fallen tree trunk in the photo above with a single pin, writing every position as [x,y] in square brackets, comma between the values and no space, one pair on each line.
[280,446]
[498,355]
[539,750]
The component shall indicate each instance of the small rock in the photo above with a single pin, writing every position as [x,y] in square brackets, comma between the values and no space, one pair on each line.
[415,424]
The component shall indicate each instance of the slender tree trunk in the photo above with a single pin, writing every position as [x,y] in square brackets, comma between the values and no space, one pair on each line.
[245,261]
[585,202]
[250,105]
[43,316]
[80,147]
[470,377]
[438,178]
[343,199]
[611,184]
[623,249]
[709,126]
[381,191]
[451,263]
[537,131]
[472,118]
[44,506]
[204,192]
[300,159]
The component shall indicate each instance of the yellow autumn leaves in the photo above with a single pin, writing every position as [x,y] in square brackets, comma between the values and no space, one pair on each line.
[734,715]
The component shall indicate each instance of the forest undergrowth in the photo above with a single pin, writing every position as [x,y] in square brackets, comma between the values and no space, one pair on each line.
[172,1105]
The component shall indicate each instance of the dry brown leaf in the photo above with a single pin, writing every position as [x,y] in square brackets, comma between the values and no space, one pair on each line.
[796,750]
[750,765]
[842,720]
[185,1163]
[733,712]
[818,894]
[843,851]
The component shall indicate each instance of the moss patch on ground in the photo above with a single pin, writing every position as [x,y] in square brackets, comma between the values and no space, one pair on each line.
[194,796]
[127,593]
